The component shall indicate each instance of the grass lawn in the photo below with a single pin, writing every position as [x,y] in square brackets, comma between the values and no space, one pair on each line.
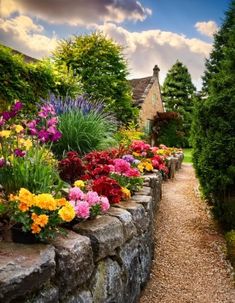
[187,155]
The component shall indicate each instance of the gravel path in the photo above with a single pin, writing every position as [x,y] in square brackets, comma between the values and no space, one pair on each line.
[189,264]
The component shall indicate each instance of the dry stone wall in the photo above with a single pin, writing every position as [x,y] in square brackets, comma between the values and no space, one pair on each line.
[104,260]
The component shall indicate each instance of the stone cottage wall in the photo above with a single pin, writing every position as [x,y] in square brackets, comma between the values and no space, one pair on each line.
[104,260]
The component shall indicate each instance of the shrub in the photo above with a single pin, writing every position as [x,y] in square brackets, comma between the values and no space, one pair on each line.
[83,133]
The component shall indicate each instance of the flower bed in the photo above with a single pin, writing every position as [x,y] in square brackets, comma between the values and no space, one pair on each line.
[108,197]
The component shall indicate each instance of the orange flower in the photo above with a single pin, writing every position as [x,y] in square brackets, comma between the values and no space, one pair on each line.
[23,207]
[35,229]
[40,220]
[61,201]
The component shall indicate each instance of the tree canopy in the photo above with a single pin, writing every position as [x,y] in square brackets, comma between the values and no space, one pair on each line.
[178,92]
[101,66]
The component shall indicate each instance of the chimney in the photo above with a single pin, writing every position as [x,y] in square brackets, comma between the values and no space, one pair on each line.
[156,70]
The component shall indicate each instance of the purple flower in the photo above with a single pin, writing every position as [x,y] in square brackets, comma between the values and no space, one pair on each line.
[17,106]
[19,153]
[52,122]
[128,158]
[43,135]
[6,116]
[2,162]
[56,136]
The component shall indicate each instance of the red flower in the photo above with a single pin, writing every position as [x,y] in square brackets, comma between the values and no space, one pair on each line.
[109,188]
[71,168]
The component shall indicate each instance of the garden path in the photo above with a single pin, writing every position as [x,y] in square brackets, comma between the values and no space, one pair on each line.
[190,264]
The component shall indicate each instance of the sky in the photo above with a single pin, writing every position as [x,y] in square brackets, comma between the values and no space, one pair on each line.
[150,31]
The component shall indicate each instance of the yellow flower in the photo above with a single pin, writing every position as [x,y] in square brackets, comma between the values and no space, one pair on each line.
[79,183]
[35,229]
[126,193]
[67,212]
[45,201]
[135,154]
[5,133]
[27,143]
[148,167]
[25,196]
[140,167]
[40,220]
[18,128]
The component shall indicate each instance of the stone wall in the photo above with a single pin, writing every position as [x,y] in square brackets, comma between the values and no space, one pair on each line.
[104,260]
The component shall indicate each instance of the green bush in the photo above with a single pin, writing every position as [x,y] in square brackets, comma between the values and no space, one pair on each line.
[83,132]
[29,82]
[213,127]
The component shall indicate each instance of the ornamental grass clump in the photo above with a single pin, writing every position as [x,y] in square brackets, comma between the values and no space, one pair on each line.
[83,133]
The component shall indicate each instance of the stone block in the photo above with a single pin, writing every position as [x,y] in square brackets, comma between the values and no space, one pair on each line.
[105,232]
[74,258]
[145,191]
[146,250]
[46,295]
[81,296]
[106,283]
[129,258]
[125,217]
[24,269]
[138,214]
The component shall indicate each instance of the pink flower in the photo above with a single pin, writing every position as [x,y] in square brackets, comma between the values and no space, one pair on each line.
[75,193]
[82,209]
[104,204]
[121,166]
[52,122]
[92,198]
[132,172]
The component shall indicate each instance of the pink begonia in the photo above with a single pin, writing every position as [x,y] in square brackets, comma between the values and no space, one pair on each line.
[121,166]
[104,204]
[112,168]
[82,209]
[92,198]
[75,193]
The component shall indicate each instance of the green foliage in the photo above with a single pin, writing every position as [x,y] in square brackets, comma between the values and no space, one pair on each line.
[230,238]
[178,93]
[99,62]
[29,82]
[83,132]
[171,134]
[33,171]
[213,129]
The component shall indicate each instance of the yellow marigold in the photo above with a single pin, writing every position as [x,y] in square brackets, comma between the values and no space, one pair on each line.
[140,167]
[45,201]
[79,183]
[25,196]
[5,133]
[18,128]
[67,213]
[126,193]
[35,228]
[40,220]
[23,207]
[61,202]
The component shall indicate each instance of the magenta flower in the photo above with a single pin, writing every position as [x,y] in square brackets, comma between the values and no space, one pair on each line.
[132,172]
[17,106]
[52,122]
[75,193]
[43,135]
[92,198]
[56,136]
[2,162]
[19,153]
[82,210]
[121,166]
[104,204]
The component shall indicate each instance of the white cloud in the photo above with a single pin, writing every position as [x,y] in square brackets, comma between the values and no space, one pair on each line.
[145,49]
[78,12]
[24,35]
[208,28]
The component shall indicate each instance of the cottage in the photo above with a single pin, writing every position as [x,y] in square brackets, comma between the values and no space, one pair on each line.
[147,97]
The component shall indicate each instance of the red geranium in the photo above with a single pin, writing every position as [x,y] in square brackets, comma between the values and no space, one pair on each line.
[109,188]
